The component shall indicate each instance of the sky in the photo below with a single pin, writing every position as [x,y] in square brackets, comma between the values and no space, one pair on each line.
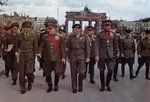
[115,9]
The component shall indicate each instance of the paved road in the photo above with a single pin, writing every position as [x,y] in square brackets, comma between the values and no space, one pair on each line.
[125,90]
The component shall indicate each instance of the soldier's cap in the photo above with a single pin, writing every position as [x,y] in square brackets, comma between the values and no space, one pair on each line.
[90,28]
[50,21]
[128,31]
[118,31]
[106,21]
[27,24]
[76,26]
[147,31]
[6,28]
[62,30]
[15,24]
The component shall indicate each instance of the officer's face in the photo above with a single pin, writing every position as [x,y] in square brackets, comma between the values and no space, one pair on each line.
[27,29]
[90,31]
[107,26]
[7,31]
[52,29]
[76,30]
[15,29]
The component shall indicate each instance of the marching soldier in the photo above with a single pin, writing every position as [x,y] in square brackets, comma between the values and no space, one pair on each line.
[64,65]
[143,51]
[91,38]
[26,50]
[52,48]
[128,52]
[118,59]
[5,49]
[78,55]
[10,44]
[106,48]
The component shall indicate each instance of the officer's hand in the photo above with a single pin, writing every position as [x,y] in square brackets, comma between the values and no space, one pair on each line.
[87,60]
[17,54]
[122,55]
[63,60]
[38,55]
[139,56]
[97,58]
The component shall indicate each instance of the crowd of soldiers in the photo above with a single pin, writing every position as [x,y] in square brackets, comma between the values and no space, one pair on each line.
[54,48]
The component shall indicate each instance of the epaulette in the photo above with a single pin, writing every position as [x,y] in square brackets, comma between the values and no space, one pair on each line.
[59,34]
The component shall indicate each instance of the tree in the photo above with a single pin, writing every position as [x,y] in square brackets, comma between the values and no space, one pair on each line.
[3,2]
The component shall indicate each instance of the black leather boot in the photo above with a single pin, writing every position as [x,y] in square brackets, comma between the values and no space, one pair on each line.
[109,75]
[56,83]
[49,87]
[80,80]
[102,78]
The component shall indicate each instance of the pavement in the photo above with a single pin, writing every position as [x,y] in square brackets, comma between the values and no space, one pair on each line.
[125,90]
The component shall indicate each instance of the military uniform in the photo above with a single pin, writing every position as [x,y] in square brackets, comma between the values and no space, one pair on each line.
[90,65]
[52,57]
[78,52]
[143,51]
[127,52]
[106,49]
[27,48]
[53,51]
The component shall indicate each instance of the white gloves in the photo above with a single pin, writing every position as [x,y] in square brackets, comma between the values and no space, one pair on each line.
[122,55]
[38,55]
[17,54]
[63,60]
[139,56]
[87,60]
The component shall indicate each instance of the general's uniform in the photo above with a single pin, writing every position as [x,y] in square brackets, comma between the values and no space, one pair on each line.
[27,48]
[78,51]
[143,50]
[107,49]
[128,51]
[53,50]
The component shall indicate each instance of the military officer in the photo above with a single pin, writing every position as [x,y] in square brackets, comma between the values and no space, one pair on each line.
[26,51]
[11,44]
[53,50]
[143,51]
[64,65]
[118,59]
[91,38]
[4,48]
[128,53]
[106,49]
[78,55]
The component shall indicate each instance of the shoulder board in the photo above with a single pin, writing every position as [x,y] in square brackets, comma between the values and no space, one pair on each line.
[59,34]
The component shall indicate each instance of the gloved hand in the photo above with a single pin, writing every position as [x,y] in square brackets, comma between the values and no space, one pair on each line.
[87,60]
[122,55]
[63,60]
[139,56]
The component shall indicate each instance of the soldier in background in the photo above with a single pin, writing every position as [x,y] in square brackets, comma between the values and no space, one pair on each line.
[5,48]
[118,59]
[91,38]
[106,49]
[143,51]
[78,55]
[64,65]
[26,51]
[1,39]
[10,44]
[128,53]
[53,50]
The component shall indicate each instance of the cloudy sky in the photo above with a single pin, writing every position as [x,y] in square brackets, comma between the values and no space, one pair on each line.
[115,9]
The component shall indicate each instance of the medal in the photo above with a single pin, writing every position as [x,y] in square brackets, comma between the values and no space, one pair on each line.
[107,42]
